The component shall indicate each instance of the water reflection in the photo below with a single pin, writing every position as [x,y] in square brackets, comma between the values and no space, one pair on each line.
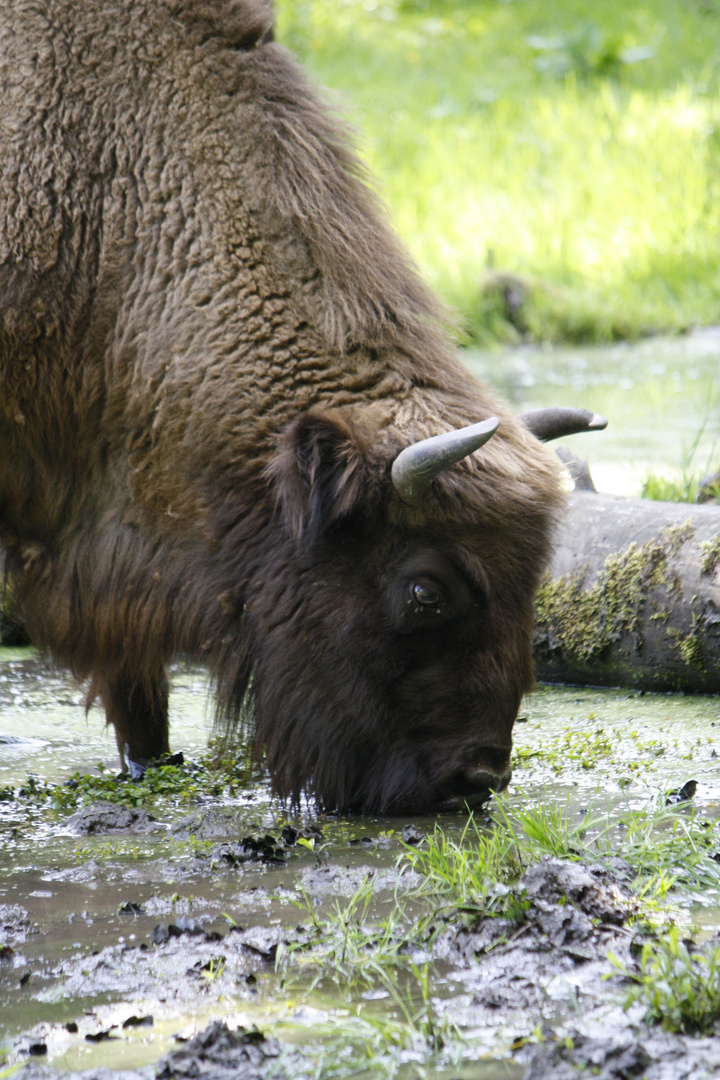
[661,396]
[44,728]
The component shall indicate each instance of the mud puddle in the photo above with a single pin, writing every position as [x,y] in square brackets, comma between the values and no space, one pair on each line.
[157,929]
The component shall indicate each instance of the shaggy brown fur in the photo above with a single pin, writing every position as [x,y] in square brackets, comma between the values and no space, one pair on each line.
[211,349]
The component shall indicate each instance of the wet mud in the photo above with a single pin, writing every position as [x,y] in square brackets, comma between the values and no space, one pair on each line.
[213,936]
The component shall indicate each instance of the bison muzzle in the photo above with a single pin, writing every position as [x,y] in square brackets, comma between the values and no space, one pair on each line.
[214,357]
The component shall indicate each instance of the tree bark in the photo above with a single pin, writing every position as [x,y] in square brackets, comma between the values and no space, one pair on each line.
[632,597]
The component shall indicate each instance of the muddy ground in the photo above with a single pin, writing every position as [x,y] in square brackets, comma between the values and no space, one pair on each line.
[180,933]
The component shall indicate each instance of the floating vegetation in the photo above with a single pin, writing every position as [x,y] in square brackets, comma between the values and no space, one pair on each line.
[578,748]
[220,773]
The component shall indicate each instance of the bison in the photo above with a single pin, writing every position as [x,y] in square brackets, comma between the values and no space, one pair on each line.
[230,413]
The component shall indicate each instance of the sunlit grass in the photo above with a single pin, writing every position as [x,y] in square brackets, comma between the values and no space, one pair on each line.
[521,137]
[664,847]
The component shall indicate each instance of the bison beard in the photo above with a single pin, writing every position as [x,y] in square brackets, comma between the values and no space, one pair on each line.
[212,350]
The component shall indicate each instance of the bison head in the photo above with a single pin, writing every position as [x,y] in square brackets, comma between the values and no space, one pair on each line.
[396,617]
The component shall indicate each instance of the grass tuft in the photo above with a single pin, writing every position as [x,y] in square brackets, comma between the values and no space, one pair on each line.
[679,987]
[665,847]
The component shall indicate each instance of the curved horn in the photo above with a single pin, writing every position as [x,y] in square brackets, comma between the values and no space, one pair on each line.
[553,423]
[416,465]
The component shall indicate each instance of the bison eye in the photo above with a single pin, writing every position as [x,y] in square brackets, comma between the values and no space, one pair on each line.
[427,595]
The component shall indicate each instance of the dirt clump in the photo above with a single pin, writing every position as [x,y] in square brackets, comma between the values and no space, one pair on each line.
[624,1055]
[568,903]
[14,924]
[104,817]
[222,1054]
[559,924]
[557,904]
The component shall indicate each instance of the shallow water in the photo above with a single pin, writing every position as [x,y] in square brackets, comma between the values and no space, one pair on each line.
[660,396]
[632,747]
[44,729]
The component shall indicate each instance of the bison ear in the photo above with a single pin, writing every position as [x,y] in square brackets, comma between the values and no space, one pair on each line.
[320,472]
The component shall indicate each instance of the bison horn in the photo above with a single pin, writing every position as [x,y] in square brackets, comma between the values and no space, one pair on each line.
[554,423]
[416,465]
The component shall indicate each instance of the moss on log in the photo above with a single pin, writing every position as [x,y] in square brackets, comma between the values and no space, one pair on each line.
[632,597]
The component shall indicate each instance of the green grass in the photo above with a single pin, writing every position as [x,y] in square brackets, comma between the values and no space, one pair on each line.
[350,948]
[478,875]
[693,482]
[679,987]
[467,871]
[575,147]
[346,940]
[366,941]
[664,846]
[684,488]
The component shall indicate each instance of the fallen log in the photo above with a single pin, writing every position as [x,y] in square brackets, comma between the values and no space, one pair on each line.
[632,597]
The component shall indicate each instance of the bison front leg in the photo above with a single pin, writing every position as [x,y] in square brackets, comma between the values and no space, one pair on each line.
[138,710]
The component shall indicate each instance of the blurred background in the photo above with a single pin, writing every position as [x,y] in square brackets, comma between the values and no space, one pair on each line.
[555,171]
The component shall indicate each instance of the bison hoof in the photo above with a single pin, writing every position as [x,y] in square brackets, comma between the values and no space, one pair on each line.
[135,771]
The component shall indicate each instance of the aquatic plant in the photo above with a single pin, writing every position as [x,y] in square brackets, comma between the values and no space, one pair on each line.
[348,948]
[221,772]
[466,871]
[345,942]
[578,747]
[380,1044]
[546,828]
[669,846]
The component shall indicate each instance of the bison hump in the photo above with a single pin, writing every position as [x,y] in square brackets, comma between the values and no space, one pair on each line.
[241,24]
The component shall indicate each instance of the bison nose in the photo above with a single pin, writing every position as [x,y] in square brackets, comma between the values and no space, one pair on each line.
[474,785]
[487,779]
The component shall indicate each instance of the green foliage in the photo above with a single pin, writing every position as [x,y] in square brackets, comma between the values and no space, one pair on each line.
[679,988]
[685,489]
[379,1044]
[665,489]
[669,846]
[351,947]
[479,875]
[578,151]
[586,51]
[345,941]
[541,829]
[688,485]
[169,783]
[421,1016]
